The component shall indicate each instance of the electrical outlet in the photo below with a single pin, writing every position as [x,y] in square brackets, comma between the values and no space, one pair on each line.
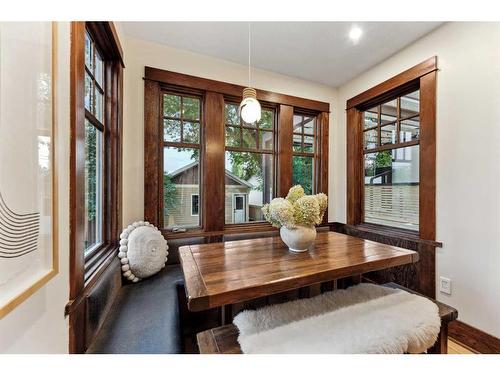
[444,285]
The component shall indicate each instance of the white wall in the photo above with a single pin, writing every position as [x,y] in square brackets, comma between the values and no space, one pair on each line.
[140,54]
[468,155]
[38,324]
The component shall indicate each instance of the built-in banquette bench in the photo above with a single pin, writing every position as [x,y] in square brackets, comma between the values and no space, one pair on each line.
[150,316]
[142,317]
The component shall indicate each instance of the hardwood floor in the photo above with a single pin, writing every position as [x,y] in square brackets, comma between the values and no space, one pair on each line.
[457,348]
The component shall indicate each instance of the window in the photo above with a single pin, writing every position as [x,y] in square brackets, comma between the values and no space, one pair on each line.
[195,205]
[208,173]
[96,126]
[181,159]
[94,151]
[249,165]
[391,162]
[391,155]
[93,187]
[95,167]
[304,140]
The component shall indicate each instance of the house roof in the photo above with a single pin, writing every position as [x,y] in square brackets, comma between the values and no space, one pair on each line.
[228,174]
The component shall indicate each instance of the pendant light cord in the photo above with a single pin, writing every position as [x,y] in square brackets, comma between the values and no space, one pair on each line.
[249,40]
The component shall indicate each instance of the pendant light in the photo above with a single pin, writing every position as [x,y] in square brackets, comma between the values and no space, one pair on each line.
[250,106]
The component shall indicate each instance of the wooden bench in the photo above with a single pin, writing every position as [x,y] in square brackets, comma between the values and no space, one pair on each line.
[224,340]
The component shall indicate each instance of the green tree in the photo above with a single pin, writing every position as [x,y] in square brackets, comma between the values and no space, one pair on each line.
[90,170]
[246,165]
[303,172]
[169,194]
[383,159]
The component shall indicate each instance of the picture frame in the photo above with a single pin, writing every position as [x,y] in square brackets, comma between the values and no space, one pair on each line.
[29,255]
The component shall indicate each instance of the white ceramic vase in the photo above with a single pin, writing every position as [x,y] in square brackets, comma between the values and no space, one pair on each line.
[299,238]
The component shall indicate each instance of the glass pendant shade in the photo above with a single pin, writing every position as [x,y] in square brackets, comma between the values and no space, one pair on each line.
[250,110]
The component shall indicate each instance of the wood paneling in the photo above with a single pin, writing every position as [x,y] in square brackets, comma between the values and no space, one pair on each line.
[354,176]
[153,163]
[413,276]
[213,155]
[285,135]
[220,340]
[474,338]
[77,157]
[225,273]
[229,89]
[323,155]
[394,83]
[427,170]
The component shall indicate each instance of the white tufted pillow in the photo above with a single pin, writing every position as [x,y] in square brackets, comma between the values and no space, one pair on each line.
[143,251]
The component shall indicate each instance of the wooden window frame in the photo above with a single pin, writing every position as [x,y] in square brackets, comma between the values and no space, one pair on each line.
[85,271]
[212,138]
[424,76]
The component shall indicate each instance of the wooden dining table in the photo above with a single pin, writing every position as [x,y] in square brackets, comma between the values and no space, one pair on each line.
[225,273]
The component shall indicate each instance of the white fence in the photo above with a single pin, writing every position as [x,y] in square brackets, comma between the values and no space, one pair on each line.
[393,205]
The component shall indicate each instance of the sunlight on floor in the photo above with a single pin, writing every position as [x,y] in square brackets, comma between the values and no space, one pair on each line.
[456,348]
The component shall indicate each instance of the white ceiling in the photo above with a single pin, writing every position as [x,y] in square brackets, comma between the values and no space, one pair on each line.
[316,51]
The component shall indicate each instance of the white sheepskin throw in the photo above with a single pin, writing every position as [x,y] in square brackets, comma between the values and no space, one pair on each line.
[143,251]
[365,318]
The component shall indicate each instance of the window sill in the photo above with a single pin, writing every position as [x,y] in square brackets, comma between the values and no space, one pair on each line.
[383,232]
[92,276]
[260,226]
[99,261]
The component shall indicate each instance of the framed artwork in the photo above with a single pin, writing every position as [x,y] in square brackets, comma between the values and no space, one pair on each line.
[28,194]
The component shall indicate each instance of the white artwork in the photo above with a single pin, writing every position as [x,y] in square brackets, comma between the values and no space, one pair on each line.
[28,254]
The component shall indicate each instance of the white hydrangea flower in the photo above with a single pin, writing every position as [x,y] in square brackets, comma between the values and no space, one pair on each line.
[281,212]
[296,209]
[295,193]
[306,211]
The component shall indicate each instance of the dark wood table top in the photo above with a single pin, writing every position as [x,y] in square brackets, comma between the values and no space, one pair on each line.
[225,273]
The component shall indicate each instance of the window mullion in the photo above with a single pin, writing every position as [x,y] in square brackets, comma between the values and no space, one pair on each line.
[398,120]
[379,125]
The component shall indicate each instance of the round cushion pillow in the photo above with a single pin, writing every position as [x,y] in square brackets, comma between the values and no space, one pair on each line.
[143,251]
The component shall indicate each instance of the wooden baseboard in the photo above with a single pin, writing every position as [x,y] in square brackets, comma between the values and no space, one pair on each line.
[474,338]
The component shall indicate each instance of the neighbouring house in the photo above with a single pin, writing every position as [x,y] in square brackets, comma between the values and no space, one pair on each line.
[186,184]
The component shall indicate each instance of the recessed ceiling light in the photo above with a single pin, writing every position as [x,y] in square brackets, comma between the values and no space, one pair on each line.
[355,34]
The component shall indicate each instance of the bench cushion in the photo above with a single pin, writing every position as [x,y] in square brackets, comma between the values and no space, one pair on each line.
[224,340]
[144,317]
[365,318]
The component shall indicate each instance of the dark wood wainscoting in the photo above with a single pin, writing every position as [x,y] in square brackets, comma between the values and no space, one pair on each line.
[419,276]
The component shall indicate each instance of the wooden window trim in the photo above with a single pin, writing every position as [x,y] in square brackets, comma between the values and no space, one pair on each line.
[393,86]
[424,76]
[230,89]
[212,140]
[82,277]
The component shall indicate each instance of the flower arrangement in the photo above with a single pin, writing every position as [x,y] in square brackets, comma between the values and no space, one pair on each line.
[296,209]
